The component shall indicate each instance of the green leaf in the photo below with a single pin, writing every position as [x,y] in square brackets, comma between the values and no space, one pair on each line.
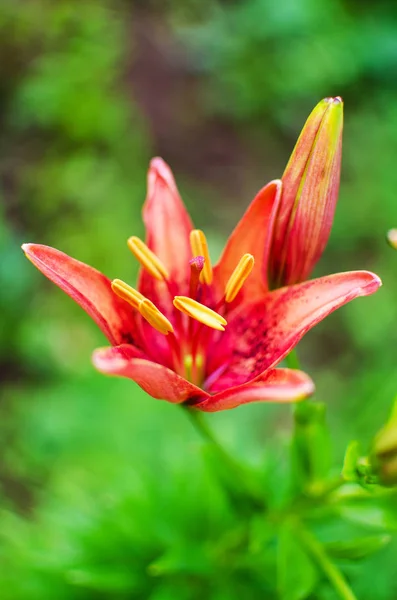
[352,456]
[357,548]
[242,488]
[98,578]
[182,559]
[310,451]
[297,574]
[370,514]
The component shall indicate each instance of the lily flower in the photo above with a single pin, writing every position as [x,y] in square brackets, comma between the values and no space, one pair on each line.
[309,195]
[191,333]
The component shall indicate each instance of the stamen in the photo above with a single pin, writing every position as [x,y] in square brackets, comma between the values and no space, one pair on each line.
[147,258]
[196,267]
[199,246]
[238,277]
[154,317]
[201,313]
[126,292]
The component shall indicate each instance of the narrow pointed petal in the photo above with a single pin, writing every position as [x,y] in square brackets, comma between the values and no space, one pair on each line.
[261,334]
[167,222]
[252,235]
[276,385]
[155,379]
[89,288]
[310,191]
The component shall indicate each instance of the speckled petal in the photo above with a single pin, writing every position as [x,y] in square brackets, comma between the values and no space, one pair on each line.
[261,334]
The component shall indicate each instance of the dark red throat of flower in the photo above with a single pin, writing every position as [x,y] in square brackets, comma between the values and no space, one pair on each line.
[196,326]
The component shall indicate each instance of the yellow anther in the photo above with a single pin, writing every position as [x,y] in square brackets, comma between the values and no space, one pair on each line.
[147,258]
[200,312]
[199,246]
[126,292]
[154,317]
[238,277]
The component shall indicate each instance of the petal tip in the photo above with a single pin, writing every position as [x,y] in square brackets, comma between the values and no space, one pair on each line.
[27,247]
[157,163]
[159,168]
[160,172]
[30,251]
[304,385]
[276,183]
[308,389]
[372,284]
[333,100]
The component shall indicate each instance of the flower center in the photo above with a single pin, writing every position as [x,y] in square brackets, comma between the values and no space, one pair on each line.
[188,342]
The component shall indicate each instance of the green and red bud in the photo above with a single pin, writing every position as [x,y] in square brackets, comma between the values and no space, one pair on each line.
[392,238]
[310,186]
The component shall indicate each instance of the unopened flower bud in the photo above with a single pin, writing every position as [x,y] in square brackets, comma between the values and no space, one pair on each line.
[310,186]
[392,238]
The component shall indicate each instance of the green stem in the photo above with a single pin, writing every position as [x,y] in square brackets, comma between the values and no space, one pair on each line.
[238,475]
[202,427]
[334,576]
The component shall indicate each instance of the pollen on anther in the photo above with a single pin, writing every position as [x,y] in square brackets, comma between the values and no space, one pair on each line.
[147,258]
[201,313]
[127,293]
[154,317]
[238,277]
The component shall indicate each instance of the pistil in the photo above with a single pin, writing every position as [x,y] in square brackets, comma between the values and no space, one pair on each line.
[196,267]
[199,246]
[194,368]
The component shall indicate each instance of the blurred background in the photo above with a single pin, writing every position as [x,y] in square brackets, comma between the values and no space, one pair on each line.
[103,490]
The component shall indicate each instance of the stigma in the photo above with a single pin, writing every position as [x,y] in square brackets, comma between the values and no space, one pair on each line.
[199,246]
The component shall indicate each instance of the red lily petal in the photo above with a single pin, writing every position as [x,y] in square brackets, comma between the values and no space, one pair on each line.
[276,385]
[261,334]
[155,379]
[167,222]
[252,235]
[89,288]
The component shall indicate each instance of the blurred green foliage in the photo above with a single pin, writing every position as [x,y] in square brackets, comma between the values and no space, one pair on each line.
[105,493]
